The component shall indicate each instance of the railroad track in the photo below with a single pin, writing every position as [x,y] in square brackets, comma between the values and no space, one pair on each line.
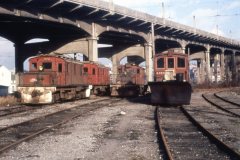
[13,135]
[16,109]
[184,138]
[223,104]
[232,98]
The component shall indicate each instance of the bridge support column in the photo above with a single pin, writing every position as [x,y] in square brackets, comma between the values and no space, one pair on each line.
[148,51]
[18,58]
[234,68]
[202,72]
[208,73]
[222,66]
[228,70]
[93,49]
[216,67]
[183,50]
[115,64]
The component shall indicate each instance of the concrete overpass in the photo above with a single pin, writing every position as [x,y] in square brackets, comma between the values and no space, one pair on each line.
[78,26]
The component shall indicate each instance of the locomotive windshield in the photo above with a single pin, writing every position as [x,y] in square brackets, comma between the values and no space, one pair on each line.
[181,62]
[47,65]
[160,63]
[85,70]
[34,66]
[59,67]
[170,62]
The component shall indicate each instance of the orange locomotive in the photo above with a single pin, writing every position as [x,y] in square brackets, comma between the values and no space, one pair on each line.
[52,78]
[170,86]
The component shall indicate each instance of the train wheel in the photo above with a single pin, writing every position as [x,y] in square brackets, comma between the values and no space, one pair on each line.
[56,97]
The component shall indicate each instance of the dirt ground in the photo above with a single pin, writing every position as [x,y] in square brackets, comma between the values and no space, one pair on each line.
[123,131]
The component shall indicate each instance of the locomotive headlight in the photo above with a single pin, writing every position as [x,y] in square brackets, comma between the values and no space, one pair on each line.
[40,68]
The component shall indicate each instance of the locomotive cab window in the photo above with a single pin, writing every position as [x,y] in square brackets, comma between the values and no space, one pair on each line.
[138,71]
[181,62]
[160,63]
[47,65]
[170,62]
[60,67]
[34,65]
[85,70]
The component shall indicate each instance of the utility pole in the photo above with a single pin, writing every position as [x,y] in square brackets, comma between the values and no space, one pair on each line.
[194,23]
[163,11]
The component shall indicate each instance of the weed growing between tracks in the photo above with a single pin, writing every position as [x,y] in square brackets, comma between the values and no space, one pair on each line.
[7,101]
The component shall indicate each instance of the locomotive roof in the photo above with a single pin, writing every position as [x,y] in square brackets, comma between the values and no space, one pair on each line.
[68,59]
[170,52]
[131,65]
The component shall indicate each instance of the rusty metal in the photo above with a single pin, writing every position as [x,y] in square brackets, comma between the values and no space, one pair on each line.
[182,133]
[164,140]
[130,81]
[221,104]
[212,137]
[234,100]
[170,86]
[48,121]
[170,93]
[53,78]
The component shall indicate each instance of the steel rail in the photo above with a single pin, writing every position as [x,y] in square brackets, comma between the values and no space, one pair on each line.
[226,100]
[219,107]
[212,137]
[48,115]
[46,128]
[19,109]
[164,140]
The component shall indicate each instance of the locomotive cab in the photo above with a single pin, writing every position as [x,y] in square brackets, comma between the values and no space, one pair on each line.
[170,86]
[170,66]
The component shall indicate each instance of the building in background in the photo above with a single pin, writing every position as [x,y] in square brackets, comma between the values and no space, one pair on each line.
[7,81]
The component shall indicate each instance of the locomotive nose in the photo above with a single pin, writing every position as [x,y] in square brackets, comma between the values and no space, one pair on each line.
[36,93]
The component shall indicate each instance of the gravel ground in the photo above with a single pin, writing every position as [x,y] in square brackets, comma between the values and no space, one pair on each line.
[25,116]
[222,124]
[124,131]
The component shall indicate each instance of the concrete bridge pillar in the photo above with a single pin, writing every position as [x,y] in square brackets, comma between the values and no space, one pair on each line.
[207,69]
[216,67]
[222,66]
[93,49]
[227,70]
[183,50]
[115,64]
[148,51]
[234,68]
[202,71]
[18,58]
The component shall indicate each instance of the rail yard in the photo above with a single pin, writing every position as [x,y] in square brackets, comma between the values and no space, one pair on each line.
[95,80]
[116,128]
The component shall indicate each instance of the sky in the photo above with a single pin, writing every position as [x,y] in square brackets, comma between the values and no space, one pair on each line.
[216,16]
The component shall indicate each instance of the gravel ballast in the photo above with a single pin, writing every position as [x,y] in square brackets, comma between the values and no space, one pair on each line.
[123,131]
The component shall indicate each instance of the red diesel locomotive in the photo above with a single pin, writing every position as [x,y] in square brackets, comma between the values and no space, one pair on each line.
[129,81]
[52,78]
[170,86]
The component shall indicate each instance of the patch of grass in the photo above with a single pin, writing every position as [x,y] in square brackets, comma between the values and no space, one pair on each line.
[8,101]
